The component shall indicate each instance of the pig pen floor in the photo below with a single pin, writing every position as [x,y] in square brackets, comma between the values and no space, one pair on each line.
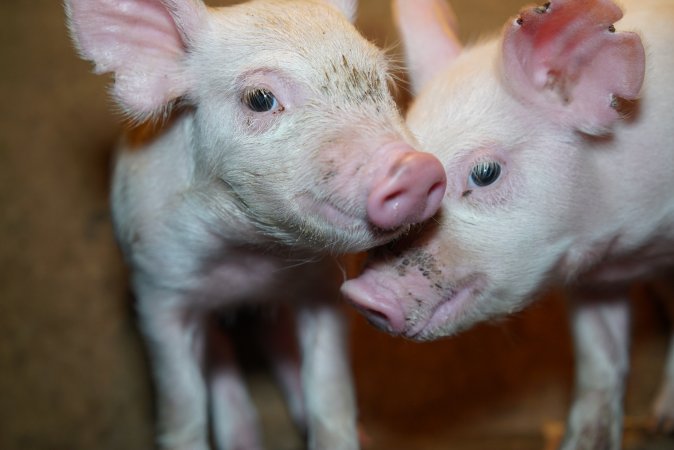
[73,374]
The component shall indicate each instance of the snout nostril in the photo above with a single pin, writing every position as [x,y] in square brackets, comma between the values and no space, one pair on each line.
[437,189]
[377,319]
[393,196]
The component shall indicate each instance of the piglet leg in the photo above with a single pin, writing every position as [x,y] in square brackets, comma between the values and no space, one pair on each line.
[326,378]
[175,343]
[234,419]
[600,328]
[280,340]
[663,408]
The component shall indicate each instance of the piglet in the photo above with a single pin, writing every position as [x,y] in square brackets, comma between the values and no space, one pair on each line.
[273,143]
[558,144]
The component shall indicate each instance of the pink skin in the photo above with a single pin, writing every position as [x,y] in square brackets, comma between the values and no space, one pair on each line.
[410,190]
[573,104]
[285,149]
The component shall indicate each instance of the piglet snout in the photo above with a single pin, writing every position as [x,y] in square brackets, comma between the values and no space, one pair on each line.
[409,191]
[379,310]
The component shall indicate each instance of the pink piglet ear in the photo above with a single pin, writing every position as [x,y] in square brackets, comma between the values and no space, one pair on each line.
[567,58]
[429,33]
[143,42]
[348,7]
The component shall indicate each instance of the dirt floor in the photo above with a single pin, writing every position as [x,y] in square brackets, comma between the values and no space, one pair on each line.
[73,373]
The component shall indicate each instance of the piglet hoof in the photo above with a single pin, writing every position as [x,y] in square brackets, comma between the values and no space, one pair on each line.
[594,436]
[595,423]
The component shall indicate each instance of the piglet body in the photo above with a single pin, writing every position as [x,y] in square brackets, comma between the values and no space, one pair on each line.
[559,149]
[276,143]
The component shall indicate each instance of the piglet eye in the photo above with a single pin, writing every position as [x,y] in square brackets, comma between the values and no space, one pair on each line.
[260,100]
[485,173]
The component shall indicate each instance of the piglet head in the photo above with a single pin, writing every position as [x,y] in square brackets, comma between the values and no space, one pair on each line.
[291,120]
[510,119]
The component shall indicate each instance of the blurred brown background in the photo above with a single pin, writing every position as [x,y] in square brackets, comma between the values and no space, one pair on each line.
[72,369]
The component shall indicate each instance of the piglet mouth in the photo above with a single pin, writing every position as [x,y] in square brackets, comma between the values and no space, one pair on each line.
[344,218]
[330,212]
[447,316]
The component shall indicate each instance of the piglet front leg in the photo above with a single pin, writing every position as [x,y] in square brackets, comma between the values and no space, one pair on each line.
[600,322]
[234,420]
[175,340]
[326,378]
